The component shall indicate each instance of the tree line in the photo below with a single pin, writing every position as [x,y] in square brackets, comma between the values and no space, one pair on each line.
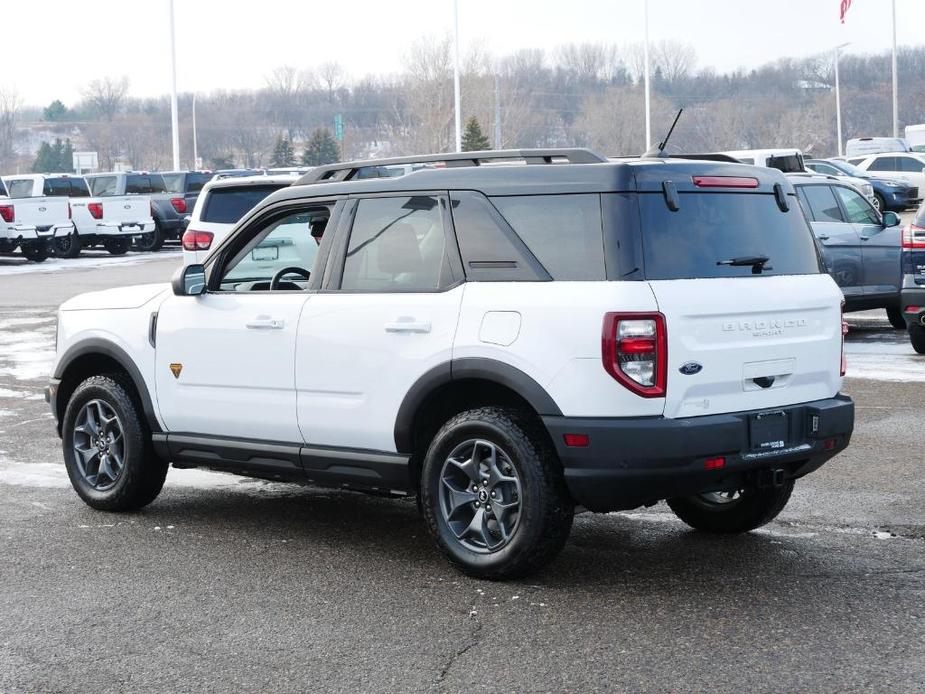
[575,95]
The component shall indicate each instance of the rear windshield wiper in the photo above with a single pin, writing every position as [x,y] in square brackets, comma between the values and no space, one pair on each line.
[757,262]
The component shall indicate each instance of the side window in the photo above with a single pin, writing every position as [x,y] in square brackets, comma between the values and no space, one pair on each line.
[883,164]
[288,243]
[857,209]
[21,188]
[137,185]
[825,169]
[564,232]
[397,244]
[746,160]
[822,204]
[103,186]
[911,164]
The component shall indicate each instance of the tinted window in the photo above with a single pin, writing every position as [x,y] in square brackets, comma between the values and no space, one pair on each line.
[103,186]
[228,205]
[21,188]
[56,187]
[789,163]
[883,164]
[79,188]
[823,207]
[397,244]
[857,209]
[824,168]
[562,231]
[195,182]
[746,160]
[156,183]
[713,227]
[174,182]
[490,249]
[911,164]
[137,185]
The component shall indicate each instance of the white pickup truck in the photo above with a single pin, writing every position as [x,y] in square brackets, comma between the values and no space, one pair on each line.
[111,222]
[30,225]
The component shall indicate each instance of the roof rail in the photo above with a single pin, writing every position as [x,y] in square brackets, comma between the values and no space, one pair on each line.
[345,171]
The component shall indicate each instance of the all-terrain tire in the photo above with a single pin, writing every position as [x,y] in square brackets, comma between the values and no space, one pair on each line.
[118,246]
[546,510]
[150,242]
[37,252]
[752,509]
[895,316]
[67,246]
[142,475]
[917,337]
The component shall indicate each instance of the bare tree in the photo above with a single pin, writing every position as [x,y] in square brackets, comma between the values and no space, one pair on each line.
[106,96]
[286,91]
[675,59]
[428,96]
[587,62]
[332,77]
[10,106]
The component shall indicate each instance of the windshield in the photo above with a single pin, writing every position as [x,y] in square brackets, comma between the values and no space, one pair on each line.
[850,169]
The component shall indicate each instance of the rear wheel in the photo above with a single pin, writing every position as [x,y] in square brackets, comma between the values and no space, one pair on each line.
[493,494]
[36,252]
[151,242]
[917,337]
[117,246]
[67,246]
[107,448]
[732,512]
[895,316]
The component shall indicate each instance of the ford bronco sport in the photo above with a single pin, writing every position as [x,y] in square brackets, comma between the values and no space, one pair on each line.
[509,343]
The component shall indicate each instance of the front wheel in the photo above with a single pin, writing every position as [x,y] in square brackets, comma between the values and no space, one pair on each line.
[732,512]
[117,246]
[67,246]
[879,203]
[150,242]
[493,494]
[107,449]
[917,337]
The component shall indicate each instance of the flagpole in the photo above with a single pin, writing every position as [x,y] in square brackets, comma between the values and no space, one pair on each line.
[895,80]
[838,100]
[645,61]
[174,119]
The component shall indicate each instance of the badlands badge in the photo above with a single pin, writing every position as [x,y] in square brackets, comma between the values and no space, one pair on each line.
[175,369]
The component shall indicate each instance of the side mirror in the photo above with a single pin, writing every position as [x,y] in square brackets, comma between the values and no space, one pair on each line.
[890,219]
[189,280]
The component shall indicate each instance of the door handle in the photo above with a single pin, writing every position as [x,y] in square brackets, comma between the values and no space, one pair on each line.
[822,237]
[266,323]
[407,325]
[864,238]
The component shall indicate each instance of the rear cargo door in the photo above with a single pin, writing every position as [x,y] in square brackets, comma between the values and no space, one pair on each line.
[127,212]
[752,322]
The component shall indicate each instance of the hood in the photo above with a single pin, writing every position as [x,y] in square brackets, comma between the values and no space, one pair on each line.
[119,297]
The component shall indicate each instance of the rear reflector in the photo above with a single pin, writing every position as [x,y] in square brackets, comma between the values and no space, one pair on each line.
[95,209]
[714,463]
[914,236]
[197,240]
[8,213]
[844,331]
[634,351]
[724,182]
[912,309]
[179,204]
[577,440]
[829,445]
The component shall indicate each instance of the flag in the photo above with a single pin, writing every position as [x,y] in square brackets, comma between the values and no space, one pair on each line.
[845,4]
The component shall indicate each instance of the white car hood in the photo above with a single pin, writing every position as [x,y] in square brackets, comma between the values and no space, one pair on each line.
[119,297]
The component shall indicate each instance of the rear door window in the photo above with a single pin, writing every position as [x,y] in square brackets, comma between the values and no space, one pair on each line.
[823,207]
[883,164]
[711,229]
[228,205]
[564,232]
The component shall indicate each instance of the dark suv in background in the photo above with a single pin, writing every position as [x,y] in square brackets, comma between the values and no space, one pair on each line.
[913,282]
[187,183]
[169,210]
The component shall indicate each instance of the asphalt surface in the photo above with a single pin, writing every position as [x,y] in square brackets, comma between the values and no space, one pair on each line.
[225,584]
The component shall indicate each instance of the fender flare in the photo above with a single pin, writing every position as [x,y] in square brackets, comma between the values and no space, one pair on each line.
[95,345]
[466,368]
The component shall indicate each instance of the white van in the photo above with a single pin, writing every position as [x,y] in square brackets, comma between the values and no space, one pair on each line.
[915,136]
[786,160]
[865,146]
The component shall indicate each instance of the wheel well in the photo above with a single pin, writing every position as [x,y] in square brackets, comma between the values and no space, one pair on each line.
[82,368]
[450,399]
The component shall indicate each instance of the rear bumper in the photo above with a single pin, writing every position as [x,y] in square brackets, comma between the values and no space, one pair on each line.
[106,228]
[630,462]
[913,296]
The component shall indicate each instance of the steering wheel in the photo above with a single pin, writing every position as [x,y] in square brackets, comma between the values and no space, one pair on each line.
[274,283]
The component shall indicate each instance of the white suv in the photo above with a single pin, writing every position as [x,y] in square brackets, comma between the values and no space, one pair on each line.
[509,343]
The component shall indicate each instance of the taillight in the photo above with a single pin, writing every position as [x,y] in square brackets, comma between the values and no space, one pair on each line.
[179,204]
[151,207]
[70,213]
[724,181]
[8,213]
[197,240]
[95,209]
[844,331]
[634,349]
[914,236]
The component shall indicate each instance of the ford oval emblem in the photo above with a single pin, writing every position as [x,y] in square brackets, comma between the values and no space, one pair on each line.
[42,209]
[690,368]
[127,207]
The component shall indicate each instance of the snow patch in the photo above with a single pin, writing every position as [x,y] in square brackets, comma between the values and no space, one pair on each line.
[17,266]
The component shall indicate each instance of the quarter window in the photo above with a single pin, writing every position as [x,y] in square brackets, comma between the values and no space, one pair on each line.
[911,164]
[883,164]
[397,244]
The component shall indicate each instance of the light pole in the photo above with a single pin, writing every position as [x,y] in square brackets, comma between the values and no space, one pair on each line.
[838,99]
[195,144]
[174,119]
[645,63]
[458,115]
[895,79]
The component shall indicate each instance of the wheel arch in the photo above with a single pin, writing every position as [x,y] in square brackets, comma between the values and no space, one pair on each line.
[92,357]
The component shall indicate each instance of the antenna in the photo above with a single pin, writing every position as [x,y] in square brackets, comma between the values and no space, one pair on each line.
[659,149]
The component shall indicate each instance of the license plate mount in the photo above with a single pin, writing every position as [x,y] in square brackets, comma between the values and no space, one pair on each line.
[769,431]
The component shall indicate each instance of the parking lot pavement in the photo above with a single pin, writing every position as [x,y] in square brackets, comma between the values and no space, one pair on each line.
[231,584]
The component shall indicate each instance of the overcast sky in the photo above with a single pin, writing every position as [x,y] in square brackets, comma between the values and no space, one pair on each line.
[57,45]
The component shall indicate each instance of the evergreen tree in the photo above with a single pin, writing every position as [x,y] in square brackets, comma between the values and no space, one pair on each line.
[474,139]
[54,158]
[55,111]
[321,149]
[44,159]
[282,153]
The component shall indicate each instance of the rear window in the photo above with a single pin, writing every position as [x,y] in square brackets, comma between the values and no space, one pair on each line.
[789,163]
[79,188]
[21,188]
[56,187]
[710,229]
[174,182]
[143,184]
[228,205]
[103,186]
